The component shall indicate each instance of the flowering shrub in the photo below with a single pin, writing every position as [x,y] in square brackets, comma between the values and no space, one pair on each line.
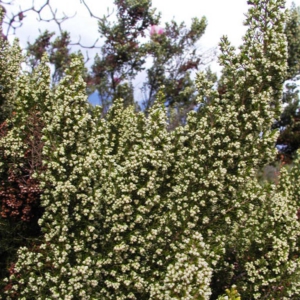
[134,211]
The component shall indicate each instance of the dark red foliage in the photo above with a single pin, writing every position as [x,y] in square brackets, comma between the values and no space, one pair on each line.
[189,65]
[19,195]
[19,191]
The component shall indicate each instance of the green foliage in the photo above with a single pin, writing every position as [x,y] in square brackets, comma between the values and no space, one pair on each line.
[288,123]
[135,211]
[292,31]
[9,66]
[123,55]
[231,294]
[174,57]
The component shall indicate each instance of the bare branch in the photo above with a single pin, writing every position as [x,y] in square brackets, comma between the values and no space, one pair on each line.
[7,3]
[89,10]
[57,20]
[87,57]
[86,47]
[16,20]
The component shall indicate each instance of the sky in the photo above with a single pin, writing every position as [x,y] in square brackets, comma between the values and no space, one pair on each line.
[224,17]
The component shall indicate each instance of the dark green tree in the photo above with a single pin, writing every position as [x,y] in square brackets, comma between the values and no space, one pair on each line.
[122,56]
[58,50]
[289,123]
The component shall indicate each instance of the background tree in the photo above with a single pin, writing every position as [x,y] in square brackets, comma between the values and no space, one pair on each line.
[172,50]
[122,55]
[289,122]
[58,50]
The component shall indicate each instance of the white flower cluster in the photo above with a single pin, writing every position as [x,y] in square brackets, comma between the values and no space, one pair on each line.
[188,276]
